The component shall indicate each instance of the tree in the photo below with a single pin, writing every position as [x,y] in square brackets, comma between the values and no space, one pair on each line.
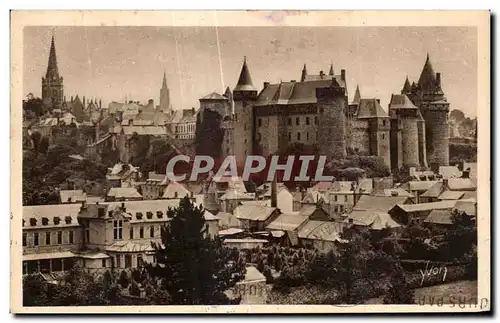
[195,269]
[134,289]
[399,289]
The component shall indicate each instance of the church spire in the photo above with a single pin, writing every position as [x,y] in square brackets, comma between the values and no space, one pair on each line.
[52,71]
[245,80]
[406,87]
[357,96]
[304,73]
[164,84]
[331,70]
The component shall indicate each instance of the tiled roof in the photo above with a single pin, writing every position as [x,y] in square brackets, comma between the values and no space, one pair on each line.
[57,215]
[228,220]
[253,275]
[378,203]
[322,230]
[451,195]
[376,221]
[127,246]
[213,96]
[287,222]
[408,208]
[124,192]
[469,207]
[439,217]
[173,188]
[72,196]
[458,184]
[370,108]
[233,194]
[392,192]
[418,185]
[253,212]
[401,101]
[288,93]
[449,172]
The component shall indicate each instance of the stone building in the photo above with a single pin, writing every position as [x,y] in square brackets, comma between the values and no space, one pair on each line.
[52,83]
[314,112]
[428,96]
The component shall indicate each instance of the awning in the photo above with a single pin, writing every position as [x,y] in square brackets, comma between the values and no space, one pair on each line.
[49,255]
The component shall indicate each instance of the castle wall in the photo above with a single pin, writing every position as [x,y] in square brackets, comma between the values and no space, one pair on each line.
[437,133]
[422,154]
[410,145]
[396,144]
[357,136]
[243,125]
[331,122]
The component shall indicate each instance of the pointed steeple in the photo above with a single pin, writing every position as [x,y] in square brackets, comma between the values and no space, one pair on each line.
[331,70]
[304,73]
[406,87]
[52,71]
[357,96]
[164,83]
[228,93]
[427,80]
[245,80]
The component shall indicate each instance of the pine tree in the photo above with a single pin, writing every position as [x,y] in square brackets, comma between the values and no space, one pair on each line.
[194,268]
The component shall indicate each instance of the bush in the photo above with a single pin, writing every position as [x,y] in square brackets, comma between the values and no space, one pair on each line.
[134,289]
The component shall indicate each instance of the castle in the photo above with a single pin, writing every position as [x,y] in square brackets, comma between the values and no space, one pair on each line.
[316,111]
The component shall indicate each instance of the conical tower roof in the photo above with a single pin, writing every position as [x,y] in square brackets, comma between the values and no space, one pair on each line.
[52,71]
[245,80]
[406,87]
[427,80]
[228,92]
[331,70]
[304,73]
[357,96]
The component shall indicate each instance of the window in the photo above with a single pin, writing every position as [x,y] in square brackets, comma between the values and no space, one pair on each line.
[307,121]
[345,198]
[152,231]
[140,262]
[103,263]
[118,229]
[289,121]
[47,238]
[383,122]
[259,122]
[298,136]
[131,233]
[71,237]
[25,239]
[35,239]
[87,233]
[176,194]
[341,208]
[289,136]
[141,232]
[118,261]
[149,215]
[245,141]
[307,136]
[245,126]
[383,136]
[335,198]
[128,261]
[59,237]
[321,110]
[316,120]
[297,121]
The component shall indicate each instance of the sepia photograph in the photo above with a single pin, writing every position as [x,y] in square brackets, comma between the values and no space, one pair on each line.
[253,159]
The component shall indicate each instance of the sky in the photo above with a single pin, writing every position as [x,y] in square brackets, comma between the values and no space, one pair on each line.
[118,63]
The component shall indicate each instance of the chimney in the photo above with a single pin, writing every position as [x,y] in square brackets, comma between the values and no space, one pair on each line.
[342,74]
[378,101]
[466,173]
[321,74]
[266,84]
[123,207]
[274,193]
[445,183]
[84,206]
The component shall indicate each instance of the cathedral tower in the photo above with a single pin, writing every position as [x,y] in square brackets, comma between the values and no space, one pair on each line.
[52,84]
[165,106]
[244,96]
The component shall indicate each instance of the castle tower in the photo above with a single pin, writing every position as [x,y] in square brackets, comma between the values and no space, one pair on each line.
[331,133]
[165,97]
[406,87]
[52,83]
[244,96]
[407,114]
[304,73]
[429,97]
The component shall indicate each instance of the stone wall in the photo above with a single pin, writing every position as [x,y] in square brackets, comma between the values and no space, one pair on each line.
[410,145]
[437,134]
[331,121]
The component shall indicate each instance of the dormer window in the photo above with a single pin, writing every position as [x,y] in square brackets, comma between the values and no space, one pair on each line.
[176,194]
[32,222]
[56,220]
[149,215]
[67,219]
[159,214]
[138,216]
[45,221]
